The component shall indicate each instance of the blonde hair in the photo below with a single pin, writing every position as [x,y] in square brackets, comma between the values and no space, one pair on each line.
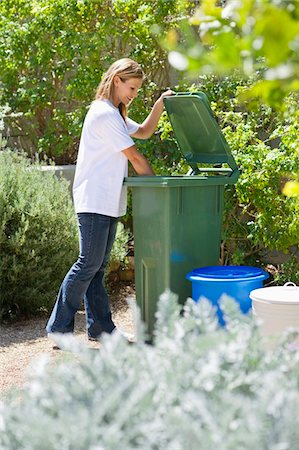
[125,68]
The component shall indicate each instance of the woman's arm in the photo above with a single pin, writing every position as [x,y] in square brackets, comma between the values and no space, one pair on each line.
[138,161]
[148,127]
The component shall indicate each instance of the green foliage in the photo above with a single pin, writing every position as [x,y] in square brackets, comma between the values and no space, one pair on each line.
[3,111]
[198,387]
[271,218]
[282,273]
[246,35]
[224,36]
[38,236]
[291,189]
[53,54]
[119,250]
[265,145]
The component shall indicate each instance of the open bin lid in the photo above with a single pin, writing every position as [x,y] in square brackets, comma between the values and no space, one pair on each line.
[198,134]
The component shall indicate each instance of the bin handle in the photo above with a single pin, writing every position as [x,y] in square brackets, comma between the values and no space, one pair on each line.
[290,286]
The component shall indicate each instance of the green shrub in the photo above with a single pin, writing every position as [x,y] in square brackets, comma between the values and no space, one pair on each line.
[120,249]
[225,35]
[38,236]
[287,271]
[263,215]
[198,387]
[264,142]
[54,52]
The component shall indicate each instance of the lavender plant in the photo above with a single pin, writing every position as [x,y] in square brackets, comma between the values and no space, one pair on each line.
[198,387]
[38,236]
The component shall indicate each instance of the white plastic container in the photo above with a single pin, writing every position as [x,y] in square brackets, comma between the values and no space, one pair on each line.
[277,308]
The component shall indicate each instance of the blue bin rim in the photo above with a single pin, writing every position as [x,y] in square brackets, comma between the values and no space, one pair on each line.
[227,273]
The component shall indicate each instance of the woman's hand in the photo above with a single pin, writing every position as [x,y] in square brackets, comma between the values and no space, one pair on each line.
[165,94]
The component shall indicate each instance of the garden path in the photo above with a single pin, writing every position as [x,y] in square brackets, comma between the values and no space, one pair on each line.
[23,342]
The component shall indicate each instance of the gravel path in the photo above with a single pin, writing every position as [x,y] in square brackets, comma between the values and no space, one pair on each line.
[21,343]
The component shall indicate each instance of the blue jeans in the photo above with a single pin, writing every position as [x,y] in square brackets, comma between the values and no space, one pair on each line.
[85,279]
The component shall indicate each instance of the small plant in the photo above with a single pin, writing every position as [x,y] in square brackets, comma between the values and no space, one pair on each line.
[287,271]
[38,236]
[3,111]
[118,255]
[198,387]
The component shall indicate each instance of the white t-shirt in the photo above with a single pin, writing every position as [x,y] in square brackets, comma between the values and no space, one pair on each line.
[101,165]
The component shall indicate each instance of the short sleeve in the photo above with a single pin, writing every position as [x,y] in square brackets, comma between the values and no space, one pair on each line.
[115,132]
[132,126]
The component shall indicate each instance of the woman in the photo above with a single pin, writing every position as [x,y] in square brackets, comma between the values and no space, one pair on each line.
[100,198]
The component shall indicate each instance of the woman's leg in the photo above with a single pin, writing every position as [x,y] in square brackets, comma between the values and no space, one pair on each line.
[98,314]
[94,232]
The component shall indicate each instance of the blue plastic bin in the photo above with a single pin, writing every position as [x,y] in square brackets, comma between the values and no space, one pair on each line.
[236,281]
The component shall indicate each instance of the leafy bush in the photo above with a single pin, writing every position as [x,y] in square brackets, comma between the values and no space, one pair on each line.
[54,52]
[38,235]
[120,249]
[286,271]
[198,387]
[264,215]
[222,36]
[264,142]
[219,38]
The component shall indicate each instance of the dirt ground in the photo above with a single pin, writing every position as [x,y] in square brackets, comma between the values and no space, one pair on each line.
[22,342]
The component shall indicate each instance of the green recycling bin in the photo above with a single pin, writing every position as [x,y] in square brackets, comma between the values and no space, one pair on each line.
[177,219]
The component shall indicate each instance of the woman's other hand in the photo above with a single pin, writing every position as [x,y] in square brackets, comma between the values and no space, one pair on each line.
[166,94]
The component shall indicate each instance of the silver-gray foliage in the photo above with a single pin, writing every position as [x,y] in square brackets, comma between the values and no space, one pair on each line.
[198,387]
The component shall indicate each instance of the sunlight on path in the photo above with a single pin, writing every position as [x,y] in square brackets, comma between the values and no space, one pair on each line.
[22,343]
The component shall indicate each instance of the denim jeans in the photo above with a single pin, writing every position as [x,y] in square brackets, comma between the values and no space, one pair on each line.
[85,279]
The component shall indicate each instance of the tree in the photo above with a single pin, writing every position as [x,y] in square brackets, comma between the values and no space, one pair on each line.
[52,56]
[259,38]
[253,36]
